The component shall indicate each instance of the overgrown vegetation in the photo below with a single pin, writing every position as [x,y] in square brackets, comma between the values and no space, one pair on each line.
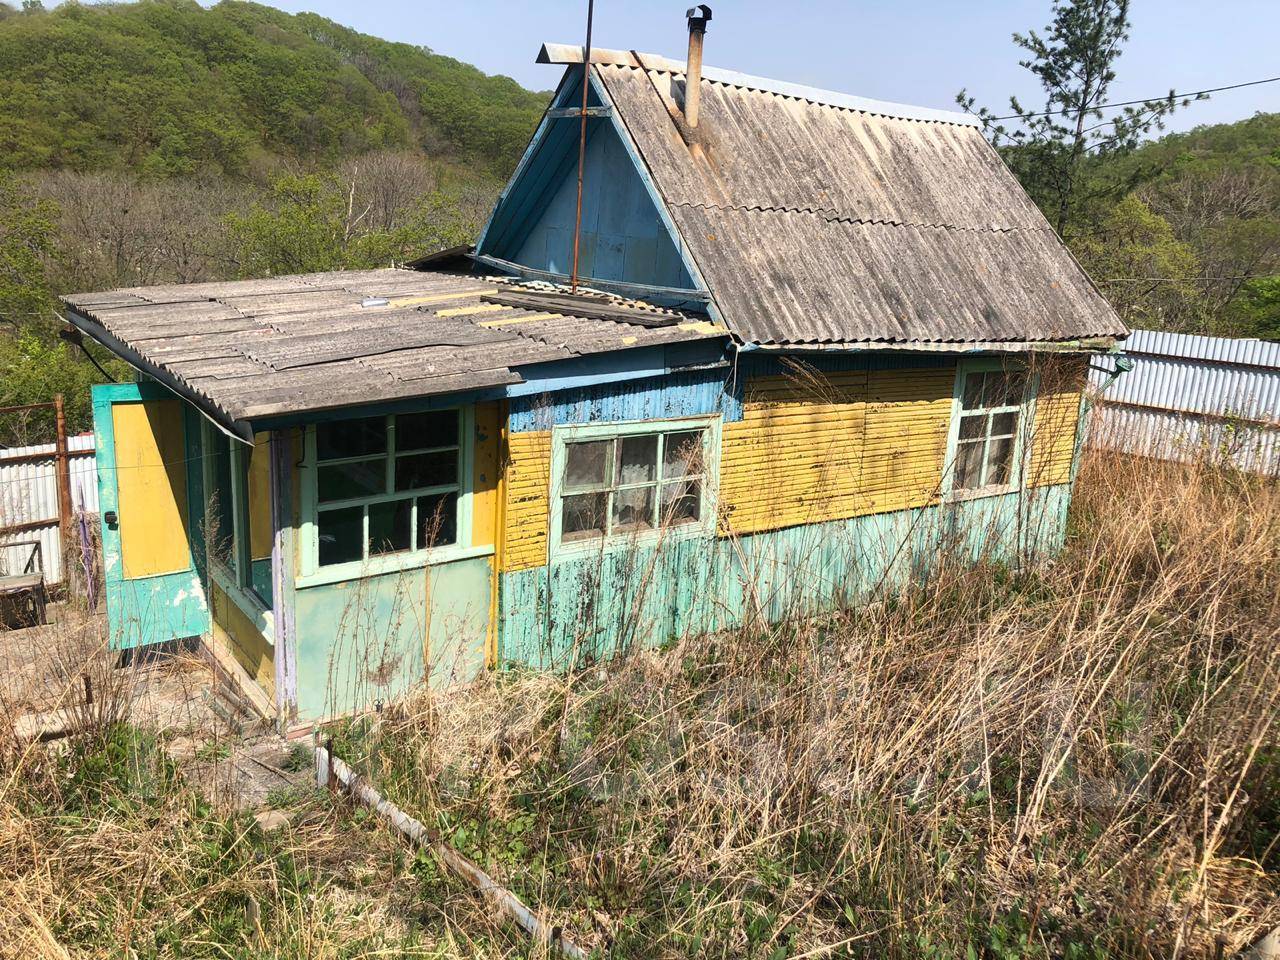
[1074,760]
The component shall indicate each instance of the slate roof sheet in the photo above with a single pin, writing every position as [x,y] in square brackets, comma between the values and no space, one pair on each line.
[287,345]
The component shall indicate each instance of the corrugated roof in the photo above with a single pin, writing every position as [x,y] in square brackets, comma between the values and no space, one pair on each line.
[813,220]
[259,348]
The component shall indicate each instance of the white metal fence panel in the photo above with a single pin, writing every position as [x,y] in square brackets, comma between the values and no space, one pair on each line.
[1192,397]
[29,495]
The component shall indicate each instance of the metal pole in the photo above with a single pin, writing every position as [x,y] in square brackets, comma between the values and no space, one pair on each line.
[63,466]
[582,146]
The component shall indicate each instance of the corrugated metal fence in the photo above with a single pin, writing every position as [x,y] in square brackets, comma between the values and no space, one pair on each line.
[1190,397]
[29,499]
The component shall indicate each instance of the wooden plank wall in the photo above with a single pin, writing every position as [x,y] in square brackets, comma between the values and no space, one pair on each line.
[812,448]
[815,447]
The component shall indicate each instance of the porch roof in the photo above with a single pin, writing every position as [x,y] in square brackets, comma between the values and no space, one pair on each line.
[254,349]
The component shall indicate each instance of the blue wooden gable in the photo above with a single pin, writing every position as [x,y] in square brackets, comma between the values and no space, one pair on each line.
[626,234]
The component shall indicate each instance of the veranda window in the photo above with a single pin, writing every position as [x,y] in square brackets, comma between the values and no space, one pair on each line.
[238,530]
[387,485]
[991,405]
[648,478]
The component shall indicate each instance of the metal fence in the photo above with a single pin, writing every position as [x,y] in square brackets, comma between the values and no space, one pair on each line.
[1190,397]
[29,499]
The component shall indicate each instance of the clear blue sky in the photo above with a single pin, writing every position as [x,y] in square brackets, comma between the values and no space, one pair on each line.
[912,51]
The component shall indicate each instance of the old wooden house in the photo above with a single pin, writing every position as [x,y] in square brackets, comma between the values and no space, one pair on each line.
[818,340]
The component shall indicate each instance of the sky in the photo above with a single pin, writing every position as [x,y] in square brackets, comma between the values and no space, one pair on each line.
[910,51]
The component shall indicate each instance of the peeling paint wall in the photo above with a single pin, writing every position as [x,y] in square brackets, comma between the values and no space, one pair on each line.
[830,485]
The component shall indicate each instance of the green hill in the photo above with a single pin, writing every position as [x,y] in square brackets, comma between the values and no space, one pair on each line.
[169,88]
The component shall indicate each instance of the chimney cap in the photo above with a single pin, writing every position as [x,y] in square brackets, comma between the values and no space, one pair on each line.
[698,16]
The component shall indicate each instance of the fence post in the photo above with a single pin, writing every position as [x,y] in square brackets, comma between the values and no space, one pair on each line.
[63,465]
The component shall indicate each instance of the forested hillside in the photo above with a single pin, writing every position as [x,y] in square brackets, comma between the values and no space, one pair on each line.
[161,141]
[1186,235]
[168,88]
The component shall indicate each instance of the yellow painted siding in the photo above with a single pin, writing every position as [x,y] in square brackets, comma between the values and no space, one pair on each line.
[259,487]
[1057,416]
[812,448]
[485,470]
[528,493]
[239,635]
[151,476]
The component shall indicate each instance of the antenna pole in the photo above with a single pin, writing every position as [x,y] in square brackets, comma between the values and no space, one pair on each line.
[582,146]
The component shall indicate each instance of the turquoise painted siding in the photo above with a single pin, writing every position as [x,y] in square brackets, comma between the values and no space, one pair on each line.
[596,607]
[363,641]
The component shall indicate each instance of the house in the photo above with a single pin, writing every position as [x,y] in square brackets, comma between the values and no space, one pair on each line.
[817,340]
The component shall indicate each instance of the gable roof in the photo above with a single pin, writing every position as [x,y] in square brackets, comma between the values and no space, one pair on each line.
[250,349]
[818,218]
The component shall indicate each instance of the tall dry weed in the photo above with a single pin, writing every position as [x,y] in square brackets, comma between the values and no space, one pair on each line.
[1076,758]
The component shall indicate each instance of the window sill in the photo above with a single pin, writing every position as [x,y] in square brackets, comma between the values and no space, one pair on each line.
[597,546]
[981,493]
[392,563]
[246,600]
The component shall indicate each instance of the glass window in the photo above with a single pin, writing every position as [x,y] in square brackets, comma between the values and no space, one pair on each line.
[990,411]
[387,485]
[632,483]
[238,529]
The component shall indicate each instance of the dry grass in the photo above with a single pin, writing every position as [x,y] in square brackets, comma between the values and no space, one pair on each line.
[1078,760]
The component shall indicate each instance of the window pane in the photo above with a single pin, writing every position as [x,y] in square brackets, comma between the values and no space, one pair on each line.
[681,503]
[995,388]
[1015,388]
[419,431]
[968,474]
[638,459]
[342,481]
[973,391]
[219,526]
[633,510]
[427,470]
[351,438]
[588,464]
[341,534]
[1004,424]
[584,516]
[390,526]
[682,454]
[999,461]
[973,426]
[437,520]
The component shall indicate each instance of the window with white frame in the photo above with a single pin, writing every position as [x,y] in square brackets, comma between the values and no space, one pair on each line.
[386,485]
[991,413]
[627,480]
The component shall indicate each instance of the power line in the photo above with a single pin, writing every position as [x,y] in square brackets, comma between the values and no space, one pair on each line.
[1134,103]
[1178,279]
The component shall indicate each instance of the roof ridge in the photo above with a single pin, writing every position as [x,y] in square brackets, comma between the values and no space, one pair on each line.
[564,53]
[832,215]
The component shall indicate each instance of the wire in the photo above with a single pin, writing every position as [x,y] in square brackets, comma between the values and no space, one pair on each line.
[1134,103]
[1178,279]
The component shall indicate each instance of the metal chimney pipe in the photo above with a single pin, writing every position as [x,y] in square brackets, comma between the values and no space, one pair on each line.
[697,17]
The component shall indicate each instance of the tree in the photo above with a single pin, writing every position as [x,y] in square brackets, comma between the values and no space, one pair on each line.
[27,232]
[1050,149]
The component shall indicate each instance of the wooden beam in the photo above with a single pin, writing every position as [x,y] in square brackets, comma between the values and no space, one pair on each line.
[564,113]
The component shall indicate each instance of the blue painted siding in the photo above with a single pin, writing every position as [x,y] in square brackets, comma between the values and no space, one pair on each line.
[623,238]
[688,394]
[605,604]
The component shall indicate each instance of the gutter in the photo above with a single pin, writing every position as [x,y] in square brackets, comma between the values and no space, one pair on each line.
[236,429]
